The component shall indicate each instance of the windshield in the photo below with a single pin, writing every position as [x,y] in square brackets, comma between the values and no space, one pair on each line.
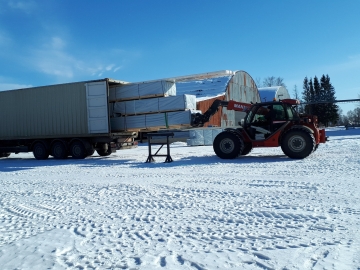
[291,112]
[252,116]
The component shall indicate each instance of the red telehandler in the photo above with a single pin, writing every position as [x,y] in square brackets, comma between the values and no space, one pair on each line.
[266,124]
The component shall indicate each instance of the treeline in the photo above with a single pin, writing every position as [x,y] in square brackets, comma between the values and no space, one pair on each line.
[351,118]
[315,92]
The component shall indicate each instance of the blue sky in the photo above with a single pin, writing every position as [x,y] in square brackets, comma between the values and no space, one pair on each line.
[48,42]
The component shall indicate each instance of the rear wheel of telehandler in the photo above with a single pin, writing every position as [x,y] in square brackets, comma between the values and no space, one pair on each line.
[298,143]
[228,145]
[40,151]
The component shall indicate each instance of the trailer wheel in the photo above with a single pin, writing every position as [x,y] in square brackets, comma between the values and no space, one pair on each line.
[90,152]
[104,150]
[228,145]
[59,150]
[77,150]
[4,154]
[103,153]
[298,144]
[40,151]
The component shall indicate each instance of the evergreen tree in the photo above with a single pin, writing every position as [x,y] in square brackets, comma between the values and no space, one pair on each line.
[317,108]
[330,113]
[319,92]
[312,96]
[306,94]
[296,96]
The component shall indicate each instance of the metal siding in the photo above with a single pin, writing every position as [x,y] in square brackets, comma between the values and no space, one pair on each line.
[203,105]
[97,107]
[241,88]
[48,111]
[203,88]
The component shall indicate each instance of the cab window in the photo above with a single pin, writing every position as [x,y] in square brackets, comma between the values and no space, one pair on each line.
[279,113]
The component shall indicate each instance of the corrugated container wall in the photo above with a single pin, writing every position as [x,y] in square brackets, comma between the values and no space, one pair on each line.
[47,111]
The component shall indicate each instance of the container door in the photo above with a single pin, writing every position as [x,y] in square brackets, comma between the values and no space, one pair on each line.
[97,107]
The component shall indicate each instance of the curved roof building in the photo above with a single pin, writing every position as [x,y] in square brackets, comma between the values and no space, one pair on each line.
[273,92]
[224,85]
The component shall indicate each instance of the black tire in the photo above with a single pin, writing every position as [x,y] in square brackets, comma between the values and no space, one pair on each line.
[59,150]
[228,145]
[4,154]
[90,151]
[40,151]
[77,150]
[103,152]
[297,143]
[247,149]
[316,147]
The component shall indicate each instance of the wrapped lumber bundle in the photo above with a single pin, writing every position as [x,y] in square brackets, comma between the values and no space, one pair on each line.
[142,90]
[204,136]
[151,121]
[155,105]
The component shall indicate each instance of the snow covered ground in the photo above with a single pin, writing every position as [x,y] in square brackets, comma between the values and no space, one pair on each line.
[262,211]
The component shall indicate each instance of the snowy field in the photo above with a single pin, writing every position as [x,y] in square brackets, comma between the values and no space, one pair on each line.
[262,211]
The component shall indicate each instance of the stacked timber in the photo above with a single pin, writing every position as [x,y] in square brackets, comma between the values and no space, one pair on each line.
[149,106]
[202,136]
[152,121]
[133,91]
[155,105]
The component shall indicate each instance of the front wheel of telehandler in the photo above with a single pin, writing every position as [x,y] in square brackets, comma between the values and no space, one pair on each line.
[228,145]
[297,143]
[247,149]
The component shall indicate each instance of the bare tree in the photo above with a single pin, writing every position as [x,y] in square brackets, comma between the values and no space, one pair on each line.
[296,93]
[269,81]
[273,81]
[258,82]
[279,82]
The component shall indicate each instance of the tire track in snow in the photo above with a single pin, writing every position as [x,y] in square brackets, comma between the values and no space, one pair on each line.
[157,217]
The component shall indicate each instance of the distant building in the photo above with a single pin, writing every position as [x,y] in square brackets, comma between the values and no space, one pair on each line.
[273,92]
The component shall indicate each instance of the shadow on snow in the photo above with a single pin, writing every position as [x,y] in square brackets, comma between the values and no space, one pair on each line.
[19,164]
